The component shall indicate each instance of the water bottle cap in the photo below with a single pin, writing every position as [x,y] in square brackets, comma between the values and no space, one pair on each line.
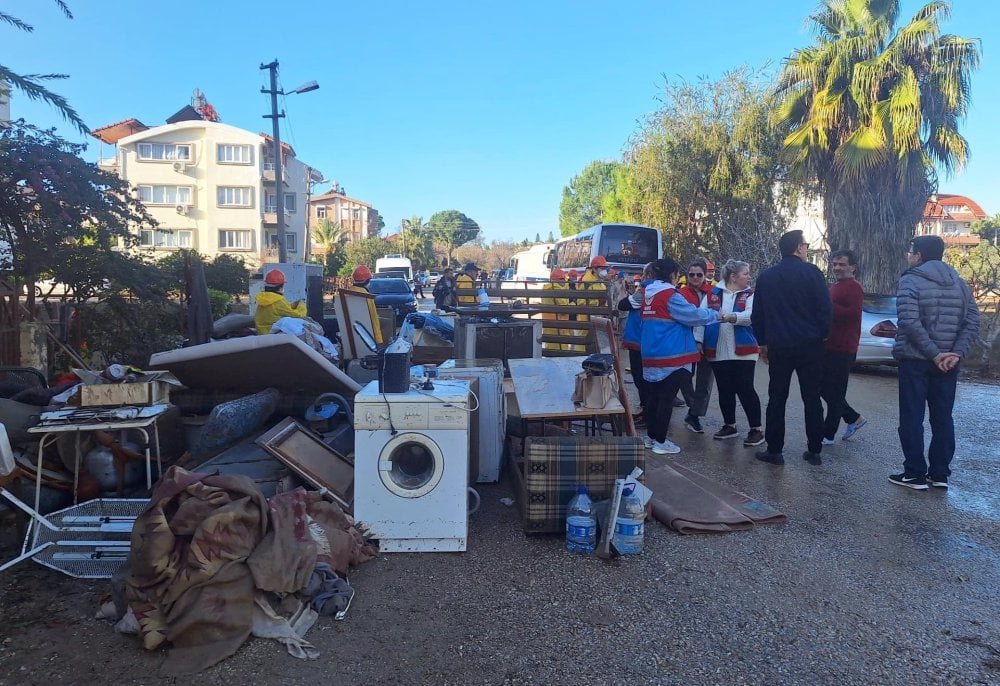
[628,490]
[581,489]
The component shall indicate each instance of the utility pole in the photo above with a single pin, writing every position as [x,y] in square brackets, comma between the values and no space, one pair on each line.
[279,186]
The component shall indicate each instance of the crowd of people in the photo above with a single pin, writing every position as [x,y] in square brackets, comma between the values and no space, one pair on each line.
[686,337]
[685,332]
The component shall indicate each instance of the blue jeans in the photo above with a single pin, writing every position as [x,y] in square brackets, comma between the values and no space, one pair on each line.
[922,386]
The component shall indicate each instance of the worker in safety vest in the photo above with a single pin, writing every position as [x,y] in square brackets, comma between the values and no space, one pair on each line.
[271,303]
[556,284]
[467,280]
[361,277]
[593,280]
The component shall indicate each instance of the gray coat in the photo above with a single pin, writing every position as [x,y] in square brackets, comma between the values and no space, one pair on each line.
[936,313]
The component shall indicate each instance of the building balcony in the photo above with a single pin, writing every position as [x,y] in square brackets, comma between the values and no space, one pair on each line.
[268,173]
[271,215]
[109,164]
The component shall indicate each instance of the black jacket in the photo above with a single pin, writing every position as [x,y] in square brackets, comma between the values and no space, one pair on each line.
[791,304]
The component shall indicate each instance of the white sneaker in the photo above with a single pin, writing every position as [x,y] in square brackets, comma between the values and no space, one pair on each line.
[828,441]
[647,441]
[668,447]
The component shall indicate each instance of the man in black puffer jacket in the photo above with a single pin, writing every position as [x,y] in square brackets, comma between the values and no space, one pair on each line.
[791,318]
[938,320]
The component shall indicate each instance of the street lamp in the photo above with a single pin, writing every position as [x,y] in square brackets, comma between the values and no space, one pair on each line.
[311,180]
[279,189]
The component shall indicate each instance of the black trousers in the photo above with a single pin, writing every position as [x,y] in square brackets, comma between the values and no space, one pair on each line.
[836,375]
[660,403]
[735,379]
[806,362]
[635,364]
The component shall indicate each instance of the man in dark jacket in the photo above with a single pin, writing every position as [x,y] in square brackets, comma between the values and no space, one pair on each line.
[937,320]
[791,317]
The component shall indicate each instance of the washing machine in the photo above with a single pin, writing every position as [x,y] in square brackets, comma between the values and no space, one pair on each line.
[411,466]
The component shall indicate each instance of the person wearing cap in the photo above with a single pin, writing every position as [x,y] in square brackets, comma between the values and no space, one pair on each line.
[444,291]
[593,279]
[271,303]
[361,277]
[556,284]
[710,274]
[467,280]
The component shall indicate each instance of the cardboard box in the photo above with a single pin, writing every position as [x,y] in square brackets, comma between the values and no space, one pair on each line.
[149,388]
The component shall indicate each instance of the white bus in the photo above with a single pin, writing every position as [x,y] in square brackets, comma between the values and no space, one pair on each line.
[626,247]
[395,263]
[532,264]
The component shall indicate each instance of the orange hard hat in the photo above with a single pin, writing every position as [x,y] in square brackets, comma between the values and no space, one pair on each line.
[709,266]
[599,261]
[557,273]
[572,273]
[275,277]
[612,273]
[362,273]
[637,278]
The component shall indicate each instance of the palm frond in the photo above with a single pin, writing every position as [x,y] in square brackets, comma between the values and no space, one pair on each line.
[862,151]
[15,22]
[65,8]
[29,85]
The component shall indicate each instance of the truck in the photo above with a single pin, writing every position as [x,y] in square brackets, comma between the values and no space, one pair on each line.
[395,263]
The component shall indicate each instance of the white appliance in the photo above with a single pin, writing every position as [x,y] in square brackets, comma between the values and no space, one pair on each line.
[411,467]
[492,412]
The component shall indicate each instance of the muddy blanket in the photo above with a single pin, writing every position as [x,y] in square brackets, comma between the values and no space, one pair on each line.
[190,584]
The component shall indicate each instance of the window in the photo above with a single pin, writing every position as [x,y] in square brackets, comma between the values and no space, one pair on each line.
[233,154]
[271,202]
[235,196]
[165,195]
[164,152]
[235,239]
[321,211]
[290,241]
[166,238]
[290,203]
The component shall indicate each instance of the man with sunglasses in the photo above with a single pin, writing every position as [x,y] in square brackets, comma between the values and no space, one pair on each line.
[698,390]
[791,318]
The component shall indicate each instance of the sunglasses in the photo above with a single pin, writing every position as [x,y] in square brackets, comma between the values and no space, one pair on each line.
[695,275]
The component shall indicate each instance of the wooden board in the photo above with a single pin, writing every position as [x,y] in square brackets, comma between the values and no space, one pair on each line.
[544,388]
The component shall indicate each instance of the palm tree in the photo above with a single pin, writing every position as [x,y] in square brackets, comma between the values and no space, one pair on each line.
[31,84]
[417,242]
[869,111]
[327,236]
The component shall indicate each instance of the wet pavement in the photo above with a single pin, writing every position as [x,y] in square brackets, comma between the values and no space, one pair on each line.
[867,583]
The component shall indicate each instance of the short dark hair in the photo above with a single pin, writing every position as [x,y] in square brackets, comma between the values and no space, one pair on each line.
[790,242]
[929,247]
[849,254]
[699,262]
[664,267]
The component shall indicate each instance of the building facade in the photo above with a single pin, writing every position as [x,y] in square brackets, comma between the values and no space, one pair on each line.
[212,188]
[357,219]
[951,217]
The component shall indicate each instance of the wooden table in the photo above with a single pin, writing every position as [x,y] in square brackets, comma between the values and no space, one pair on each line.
[543,387]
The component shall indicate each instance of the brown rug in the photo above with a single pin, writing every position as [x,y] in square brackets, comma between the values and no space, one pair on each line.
[691,503]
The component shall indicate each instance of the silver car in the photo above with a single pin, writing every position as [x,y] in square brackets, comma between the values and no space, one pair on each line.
[878,330]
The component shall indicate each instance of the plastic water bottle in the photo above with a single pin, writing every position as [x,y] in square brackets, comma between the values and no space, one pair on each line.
[581,523]
[631,525]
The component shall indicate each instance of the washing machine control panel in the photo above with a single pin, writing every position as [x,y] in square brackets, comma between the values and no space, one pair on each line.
[444,408]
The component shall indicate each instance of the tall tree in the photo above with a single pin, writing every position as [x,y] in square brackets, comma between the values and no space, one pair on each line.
[32,85]
[418,242]
[365,252]
[452,229]
[704,168]
[869,110]
[62,216]
[988,229]
[582,200]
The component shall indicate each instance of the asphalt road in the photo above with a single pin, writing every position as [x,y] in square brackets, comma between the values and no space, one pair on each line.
[867,583]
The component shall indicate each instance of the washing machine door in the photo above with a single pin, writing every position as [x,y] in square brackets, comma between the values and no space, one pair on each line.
[411,465]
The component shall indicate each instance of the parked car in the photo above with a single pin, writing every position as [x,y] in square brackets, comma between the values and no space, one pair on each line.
[394,293]
[434,278]
[878,330]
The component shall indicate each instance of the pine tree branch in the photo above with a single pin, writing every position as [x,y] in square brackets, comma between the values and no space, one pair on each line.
[28,84]
[15,22]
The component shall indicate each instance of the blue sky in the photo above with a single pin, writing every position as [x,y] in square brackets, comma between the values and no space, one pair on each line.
[487,108]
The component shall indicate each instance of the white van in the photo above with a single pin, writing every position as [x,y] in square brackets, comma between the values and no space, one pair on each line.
[395,263]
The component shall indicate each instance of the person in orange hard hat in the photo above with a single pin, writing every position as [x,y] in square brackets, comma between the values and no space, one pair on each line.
[361,277]
[555,285]
[271,303]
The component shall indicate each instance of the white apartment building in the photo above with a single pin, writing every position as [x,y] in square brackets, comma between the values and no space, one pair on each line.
[211,187]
